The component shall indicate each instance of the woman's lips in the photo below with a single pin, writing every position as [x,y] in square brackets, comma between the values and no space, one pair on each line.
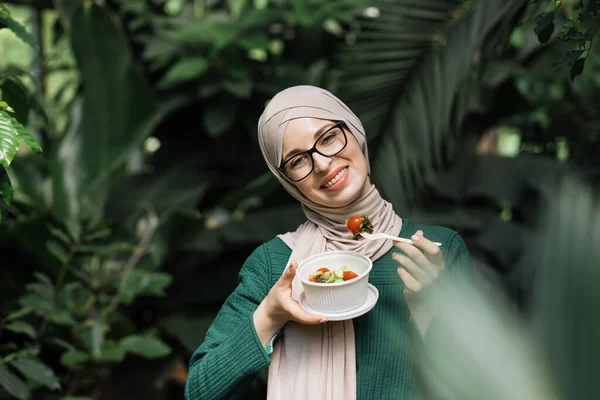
[338,184]
[332,175]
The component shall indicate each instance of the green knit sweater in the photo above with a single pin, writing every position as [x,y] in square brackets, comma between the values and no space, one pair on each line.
[224,366]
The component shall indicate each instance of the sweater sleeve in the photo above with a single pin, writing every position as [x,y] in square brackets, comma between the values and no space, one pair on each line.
[231,355]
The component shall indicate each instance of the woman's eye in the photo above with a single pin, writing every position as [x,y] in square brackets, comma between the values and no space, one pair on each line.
[298,161]
[329,138]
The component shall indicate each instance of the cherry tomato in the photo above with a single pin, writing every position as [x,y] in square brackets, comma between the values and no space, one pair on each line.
[313,279]
[323,270]
[354,223]
[349,275]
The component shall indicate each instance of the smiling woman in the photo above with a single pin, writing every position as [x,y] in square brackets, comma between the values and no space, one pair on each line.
[334,172]
[317,149]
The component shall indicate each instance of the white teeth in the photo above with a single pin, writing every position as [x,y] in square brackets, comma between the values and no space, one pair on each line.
[336,178]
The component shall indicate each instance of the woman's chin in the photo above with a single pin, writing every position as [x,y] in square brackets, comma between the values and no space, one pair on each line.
[338,198]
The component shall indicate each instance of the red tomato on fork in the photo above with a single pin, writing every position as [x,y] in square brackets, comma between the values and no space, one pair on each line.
[354,223]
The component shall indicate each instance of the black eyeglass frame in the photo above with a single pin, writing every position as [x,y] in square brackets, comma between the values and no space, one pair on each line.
[309,152]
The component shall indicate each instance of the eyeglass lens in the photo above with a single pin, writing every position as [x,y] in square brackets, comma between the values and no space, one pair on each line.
[329,144]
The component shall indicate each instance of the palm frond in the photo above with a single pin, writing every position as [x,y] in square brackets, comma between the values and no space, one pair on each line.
[403,76]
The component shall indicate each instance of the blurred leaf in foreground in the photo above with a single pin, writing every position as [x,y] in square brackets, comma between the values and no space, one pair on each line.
[477,349]
[567,298]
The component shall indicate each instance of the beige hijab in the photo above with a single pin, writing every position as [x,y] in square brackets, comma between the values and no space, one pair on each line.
[318,362]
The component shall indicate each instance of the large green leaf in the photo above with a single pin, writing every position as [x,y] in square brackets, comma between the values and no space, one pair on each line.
[72,358]
[567,258]
[145,346]
[9,139]
[6,21]
[186,69]
[111,352]
[12,383]
[388,50]
[143,282]
[35,370]
[21,327]
[117,113]
[402,79]
[24,134]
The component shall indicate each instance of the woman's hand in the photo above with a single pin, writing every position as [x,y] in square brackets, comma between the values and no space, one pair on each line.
[420,265]
[278,308]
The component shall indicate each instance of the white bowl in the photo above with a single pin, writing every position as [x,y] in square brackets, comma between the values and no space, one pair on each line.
[341,296]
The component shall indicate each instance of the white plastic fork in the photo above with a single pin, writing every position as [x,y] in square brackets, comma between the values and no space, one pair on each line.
[376,236]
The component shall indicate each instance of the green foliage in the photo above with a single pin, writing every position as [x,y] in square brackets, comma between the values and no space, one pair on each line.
[128,234]
[9,139]
[12,383]
[231,53]
[545,347]
[86,304]
[544,27]
[11,133]
[11,130]
[35,372]
[118,109]
[78,309]
[423,86]
[7,22]
[146,346]
[6,191]
[22,327]
[579,27]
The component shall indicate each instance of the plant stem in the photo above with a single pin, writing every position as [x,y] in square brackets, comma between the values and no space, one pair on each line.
[65,267]
[135,258]
[59,282]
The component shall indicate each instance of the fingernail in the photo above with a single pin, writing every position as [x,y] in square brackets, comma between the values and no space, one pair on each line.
[414,237]
[323,320]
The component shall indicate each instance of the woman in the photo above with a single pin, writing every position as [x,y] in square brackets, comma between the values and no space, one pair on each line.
[316,147]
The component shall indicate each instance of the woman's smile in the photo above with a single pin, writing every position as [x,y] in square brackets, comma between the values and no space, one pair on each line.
[336,180]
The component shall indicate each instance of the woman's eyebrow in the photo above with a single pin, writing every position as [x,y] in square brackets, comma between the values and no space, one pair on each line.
[317,134]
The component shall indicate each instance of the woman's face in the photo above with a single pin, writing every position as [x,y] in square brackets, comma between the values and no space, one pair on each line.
[349,165]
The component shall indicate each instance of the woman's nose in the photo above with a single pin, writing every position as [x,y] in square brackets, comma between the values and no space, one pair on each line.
[321,162]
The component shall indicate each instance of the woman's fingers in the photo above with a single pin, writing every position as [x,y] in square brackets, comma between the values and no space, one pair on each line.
[433,252]
[299,315]
[412,284]
[283,296]
[288,276]
[413,253]
[424,253]
[422,262]
[409,265]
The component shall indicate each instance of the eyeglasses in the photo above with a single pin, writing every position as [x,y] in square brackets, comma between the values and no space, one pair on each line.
[330,143]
